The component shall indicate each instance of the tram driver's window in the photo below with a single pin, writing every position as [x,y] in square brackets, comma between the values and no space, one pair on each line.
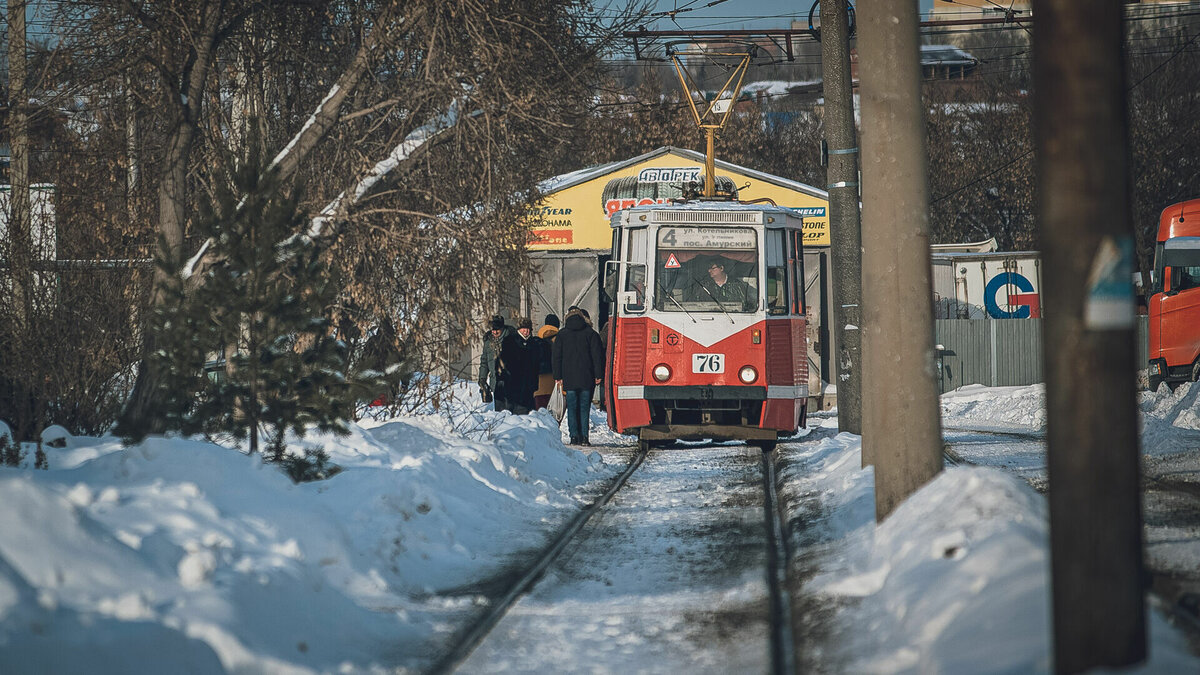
[777,300]
[635,282]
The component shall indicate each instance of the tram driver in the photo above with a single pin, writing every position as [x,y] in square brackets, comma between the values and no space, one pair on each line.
[731,292]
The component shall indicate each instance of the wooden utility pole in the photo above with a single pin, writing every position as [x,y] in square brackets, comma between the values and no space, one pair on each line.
[20,235]
[901,425]
[1080,136]
[841,138]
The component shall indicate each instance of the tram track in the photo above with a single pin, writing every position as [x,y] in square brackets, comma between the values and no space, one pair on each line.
[479,629]
[783,649]
[1023,435]
[775,560]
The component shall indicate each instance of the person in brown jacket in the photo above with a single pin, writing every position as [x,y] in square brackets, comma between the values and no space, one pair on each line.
[541,397]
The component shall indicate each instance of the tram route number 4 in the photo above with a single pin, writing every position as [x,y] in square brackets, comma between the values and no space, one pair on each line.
[708,363]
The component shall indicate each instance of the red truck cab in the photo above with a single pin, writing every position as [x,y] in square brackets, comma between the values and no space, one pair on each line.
[1174,303]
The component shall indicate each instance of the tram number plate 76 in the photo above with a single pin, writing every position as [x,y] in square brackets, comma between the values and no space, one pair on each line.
[708,363]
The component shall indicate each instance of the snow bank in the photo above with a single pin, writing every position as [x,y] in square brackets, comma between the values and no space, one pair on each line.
[999,408]
[184,556]
[956,580]
[1170,419]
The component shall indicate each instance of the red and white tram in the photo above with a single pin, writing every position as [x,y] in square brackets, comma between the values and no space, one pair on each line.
[707,332]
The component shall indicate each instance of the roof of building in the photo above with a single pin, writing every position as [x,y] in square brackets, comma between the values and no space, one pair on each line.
[573,178]
[985,246]
[945,55]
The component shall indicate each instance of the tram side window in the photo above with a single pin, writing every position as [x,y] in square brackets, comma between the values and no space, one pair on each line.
[777,301]
[635,276]
[635,282]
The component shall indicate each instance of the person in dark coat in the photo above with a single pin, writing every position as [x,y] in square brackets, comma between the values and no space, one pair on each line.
[489,379]
[520,356]
[578,363]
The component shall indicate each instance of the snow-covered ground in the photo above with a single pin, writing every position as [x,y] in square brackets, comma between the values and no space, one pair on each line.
[177,555]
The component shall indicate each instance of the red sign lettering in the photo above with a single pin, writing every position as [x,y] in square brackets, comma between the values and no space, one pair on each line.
[613,205]
[553,237]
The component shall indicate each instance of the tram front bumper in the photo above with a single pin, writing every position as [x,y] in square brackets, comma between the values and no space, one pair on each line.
[693,392]
[697,432]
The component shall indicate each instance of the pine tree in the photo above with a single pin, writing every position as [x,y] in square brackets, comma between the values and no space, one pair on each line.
[262,309]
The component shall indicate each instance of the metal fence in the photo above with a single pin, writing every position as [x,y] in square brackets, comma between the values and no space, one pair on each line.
[999,352]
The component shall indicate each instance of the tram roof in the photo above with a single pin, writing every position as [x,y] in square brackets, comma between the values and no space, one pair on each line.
[625,215]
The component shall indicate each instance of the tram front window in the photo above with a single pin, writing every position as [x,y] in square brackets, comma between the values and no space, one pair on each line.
[706,269]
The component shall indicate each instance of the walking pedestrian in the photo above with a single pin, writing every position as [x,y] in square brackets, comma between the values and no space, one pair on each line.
[520,356]
[578,364]
[546,333]
[489,377]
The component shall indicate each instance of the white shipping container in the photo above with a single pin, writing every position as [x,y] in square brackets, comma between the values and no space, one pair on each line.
[1002,285]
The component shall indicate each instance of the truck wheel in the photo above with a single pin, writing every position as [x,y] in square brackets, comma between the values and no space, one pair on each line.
[1154,383]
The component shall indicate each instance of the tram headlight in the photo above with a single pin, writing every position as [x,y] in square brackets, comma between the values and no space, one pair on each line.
[747,374]
[661,372]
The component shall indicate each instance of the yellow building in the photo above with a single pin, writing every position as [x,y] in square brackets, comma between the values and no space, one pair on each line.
[577,207]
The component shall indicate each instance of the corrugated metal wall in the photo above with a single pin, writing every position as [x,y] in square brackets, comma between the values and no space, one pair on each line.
[1000,352]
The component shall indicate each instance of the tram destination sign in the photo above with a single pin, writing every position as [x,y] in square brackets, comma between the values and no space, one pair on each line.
[707,237]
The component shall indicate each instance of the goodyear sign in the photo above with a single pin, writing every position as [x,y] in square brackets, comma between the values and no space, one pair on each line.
[576,217]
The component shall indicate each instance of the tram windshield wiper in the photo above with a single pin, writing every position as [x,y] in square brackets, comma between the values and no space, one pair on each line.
[672,299]
[714,298]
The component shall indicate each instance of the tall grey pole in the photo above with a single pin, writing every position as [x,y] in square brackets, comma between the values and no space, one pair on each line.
[1080,136]
[841,138]
[901,423]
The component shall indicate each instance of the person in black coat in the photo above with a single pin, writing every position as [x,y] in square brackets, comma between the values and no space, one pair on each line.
[520,356]
[578,363]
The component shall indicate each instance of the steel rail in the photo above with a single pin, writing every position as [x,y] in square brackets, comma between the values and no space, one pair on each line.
[783,648]
[1026,435]
[471,638]
[952,458]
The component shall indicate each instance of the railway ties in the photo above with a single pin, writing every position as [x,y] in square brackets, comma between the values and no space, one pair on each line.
[680,566]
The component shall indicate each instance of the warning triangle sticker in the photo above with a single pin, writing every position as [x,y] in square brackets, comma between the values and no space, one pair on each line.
[672,262]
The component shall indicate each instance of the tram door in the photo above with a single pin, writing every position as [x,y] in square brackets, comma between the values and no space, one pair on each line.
[820,338]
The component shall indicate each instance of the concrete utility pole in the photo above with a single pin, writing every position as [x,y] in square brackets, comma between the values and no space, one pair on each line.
[20,235]
[901,424]
[1080,136]
[841,137]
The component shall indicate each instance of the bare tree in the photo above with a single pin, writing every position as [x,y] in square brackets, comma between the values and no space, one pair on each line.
[981,161]
[413,131]
[1164,138]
